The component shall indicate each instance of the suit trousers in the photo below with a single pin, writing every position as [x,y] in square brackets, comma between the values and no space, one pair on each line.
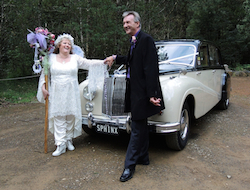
[63,128]
[137,150]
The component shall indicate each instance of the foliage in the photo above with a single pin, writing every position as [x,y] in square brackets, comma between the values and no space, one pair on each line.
[240,67]
[218,21]
[18,91]
[97,27]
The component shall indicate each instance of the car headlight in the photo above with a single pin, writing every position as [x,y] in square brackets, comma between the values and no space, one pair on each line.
[88,95]
[89,107]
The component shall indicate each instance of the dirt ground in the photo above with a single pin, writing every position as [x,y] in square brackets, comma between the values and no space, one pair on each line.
[216,157]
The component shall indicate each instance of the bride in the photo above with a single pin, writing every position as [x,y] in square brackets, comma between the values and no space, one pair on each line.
[64,97]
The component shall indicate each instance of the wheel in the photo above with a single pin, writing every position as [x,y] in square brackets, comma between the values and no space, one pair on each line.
[225,94]
[88,130]
[178,140]
[223,104]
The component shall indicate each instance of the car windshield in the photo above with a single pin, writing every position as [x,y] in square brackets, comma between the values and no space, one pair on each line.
[176,54]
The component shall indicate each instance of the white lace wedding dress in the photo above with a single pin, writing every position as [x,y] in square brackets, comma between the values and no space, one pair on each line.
[64,95]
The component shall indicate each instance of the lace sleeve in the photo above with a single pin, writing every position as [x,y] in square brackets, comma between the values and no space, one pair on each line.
[97,71]
[84,63]
[39,94]
[96,75]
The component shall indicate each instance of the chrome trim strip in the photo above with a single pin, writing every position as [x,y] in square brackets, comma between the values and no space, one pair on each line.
[125,124]
[90,120]
[167,128]
[128,124]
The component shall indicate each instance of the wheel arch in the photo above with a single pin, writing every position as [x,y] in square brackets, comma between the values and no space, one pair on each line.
[191,103]
[225,92]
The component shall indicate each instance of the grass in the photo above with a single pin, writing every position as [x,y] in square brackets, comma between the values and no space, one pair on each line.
[23,90]
[18,91]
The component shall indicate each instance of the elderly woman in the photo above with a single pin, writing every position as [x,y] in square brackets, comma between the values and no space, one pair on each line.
[64,96]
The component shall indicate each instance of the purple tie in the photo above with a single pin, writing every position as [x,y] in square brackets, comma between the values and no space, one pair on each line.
[133,41]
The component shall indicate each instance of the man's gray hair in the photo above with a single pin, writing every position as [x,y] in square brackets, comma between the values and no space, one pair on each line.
[137,17]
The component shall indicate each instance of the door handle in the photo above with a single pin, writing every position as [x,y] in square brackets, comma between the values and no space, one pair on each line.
[198,73]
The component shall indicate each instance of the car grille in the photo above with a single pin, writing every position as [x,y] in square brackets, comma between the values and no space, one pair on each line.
[113,96]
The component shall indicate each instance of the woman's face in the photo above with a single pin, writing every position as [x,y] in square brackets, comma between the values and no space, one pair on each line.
[65,46]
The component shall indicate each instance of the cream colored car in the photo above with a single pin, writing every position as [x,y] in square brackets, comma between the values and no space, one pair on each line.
[193,80]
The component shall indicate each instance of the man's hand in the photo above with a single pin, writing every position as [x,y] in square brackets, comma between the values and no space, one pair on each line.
[155,101]
[109,60]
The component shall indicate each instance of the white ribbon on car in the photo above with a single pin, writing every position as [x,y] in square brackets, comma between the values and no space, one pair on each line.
[167,61]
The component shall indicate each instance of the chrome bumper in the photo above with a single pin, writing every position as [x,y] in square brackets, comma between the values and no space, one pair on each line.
[124,123]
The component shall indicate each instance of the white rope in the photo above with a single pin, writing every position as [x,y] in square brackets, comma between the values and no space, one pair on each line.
[20,78]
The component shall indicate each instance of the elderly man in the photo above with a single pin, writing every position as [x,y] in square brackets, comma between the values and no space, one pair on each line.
[143,97]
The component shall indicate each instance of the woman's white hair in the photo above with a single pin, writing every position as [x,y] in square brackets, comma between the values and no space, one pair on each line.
[67,36]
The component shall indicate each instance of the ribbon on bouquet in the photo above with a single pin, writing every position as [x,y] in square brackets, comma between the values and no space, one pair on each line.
[33,38]
[39,41]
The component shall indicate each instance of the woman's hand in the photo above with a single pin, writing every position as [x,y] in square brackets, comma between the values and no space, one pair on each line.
[45,92]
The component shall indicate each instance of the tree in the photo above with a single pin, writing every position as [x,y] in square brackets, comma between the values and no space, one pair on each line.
[244,34]
[96,26]
[217,21]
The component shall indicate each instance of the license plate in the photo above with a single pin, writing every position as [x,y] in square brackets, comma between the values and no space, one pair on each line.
[107,129]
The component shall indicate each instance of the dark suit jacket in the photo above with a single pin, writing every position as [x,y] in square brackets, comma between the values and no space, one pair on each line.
[144,78]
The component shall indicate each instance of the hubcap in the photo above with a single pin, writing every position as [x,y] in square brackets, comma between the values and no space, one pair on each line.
[184,124]
[227,102]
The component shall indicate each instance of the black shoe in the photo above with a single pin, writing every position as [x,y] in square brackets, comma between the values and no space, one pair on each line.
[127,174]
[143,162]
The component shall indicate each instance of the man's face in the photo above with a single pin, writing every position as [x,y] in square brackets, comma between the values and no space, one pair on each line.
[130,26]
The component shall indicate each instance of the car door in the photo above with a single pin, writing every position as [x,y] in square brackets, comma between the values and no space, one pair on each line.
[205,75]
[217,69]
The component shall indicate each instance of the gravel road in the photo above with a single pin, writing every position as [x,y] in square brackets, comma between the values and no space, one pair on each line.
[217,155]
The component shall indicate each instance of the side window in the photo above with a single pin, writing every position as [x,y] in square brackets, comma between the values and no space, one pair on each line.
[213,56]
[202,59]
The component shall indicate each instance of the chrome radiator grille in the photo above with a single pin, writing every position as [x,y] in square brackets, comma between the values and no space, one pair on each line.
[113,96]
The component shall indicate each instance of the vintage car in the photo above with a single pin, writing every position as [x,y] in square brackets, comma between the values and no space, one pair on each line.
[193,80]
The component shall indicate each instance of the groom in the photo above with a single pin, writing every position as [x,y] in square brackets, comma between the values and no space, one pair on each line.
[143,97]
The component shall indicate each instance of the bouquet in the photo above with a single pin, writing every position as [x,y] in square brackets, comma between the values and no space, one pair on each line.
[43,42]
